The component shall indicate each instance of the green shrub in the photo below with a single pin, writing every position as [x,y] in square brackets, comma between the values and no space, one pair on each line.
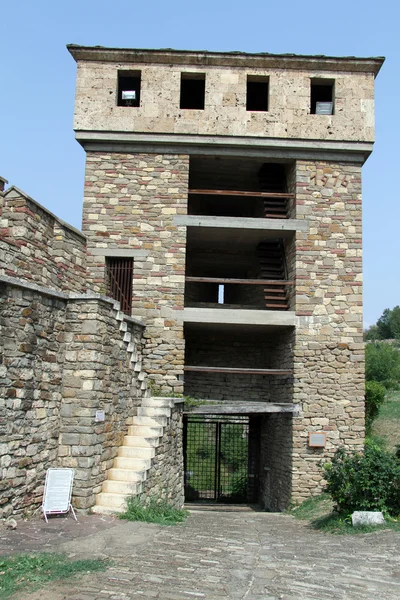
[364,481]
[382,364]
[374,398]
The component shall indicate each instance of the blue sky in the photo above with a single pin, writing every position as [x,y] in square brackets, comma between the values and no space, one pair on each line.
[38,152]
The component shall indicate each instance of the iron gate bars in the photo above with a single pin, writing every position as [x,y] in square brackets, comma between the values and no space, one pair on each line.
[216,458]
[119,274]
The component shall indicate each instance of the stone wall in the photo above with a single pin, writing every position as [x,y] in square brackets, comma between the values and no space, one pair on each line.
[32,351]
[224,113]
[99,375]
[329,349]
[62,358]
[37,246]
[275,461]
[250,349]
[130,202]
[165,478]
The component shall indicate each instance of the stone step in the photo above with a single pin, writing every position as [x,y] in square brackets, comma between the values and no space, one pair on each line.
[138,464]
[123,326]
[131,475]
[145,430]
[157,402]
[154,411]
[126,488]
[99,509]
[150,421]
[117,502]
[127,336]
[141,442]
[136,452]
[131,347]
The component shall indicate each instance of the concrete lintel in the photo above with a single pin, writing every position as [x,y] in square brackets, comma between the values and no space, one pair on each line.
[239,316]
[123,252]
[251,146]
[243,408]
[242,223]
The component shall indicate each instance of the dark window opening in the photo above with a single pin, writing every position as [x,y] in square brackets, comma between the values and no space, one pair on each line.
[129,88]
[322,96]
[257,93]
[119,278]
[193,89]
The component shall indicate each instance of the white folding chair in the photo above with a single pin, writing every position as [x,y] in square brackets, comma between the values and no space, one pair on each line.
[57,492]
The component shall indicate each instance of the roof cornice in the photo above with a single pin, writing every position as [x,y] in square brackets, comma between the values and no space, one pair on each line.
[228,59]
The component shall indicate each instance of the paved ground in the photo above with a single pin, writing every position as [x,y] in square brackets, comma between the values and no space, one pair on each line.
[214,555]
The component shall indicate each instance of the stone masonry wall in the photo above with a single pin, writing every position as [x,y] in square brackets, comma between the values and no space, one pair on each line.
[275,460]
[165,479]
[224,113]
[99,375]
[130,202]
[62,358]
[329,349]
[32,351]
[37,246]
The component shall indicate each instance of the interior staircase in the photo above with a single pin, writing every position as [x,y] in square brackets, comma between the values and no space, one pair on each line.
[272,178]
[132,465]
[271,256]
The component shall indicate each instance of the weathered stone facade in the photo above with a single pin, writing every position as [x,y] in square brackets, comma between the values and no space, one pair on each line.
[37,246]
[63,359]
[130,204]
[329,349]
[165,478]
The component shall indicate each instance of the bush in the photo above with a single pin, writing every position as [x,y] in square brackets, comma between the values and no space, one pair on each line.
[368,481]
[374,398]
[382,364]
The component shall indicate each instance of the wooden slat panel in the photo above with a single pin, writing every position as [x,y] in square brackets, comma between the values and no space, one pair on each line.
[241,193]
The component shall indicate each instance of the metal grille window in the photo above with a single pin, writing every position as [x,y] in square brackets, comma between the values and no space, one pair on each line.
[119,276]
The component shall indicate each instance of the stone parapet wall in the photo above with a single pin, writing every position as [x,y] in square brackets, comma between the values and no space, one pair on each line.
[37,246]
[329,348]
[130,203]
[61,360]
[165,479]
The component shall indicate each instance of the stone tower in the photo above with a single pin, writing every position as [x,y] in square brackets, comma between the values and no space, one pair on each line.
[223,207]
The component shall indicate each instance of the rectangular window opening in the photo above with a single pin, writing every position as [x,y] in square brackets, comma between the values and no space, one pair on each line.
[221,294]
[119,279]
[193,89]
[257,93]
[129,88]
[322,96]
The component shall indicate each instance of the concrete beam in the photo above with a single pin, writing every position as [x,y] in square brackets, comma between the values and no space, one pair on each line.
[239,316]
[278,225]
[246,147]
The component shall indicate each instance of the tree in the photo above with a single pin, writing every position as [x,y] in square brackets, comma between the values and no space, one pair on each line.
[388,325]
[382,363]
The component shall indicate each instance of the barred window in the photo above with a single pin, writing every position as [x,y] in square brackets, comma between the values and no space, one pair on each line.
[119,278]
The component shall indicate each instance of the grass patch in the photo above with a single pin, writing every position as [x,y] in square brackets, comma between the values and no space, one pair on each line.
[387,424]
[154,511]
[24,571]
[318,511]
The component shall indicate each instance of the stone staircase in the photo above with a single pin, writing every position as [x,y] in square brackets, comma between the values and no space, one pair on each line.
[132,466]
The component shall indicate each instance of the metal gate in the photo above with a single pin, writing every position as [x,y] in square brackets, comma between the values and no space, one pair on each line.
[216,458]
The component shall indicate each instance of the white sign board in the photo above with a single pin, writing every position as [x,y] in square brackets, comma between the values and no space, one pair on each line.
[57,492]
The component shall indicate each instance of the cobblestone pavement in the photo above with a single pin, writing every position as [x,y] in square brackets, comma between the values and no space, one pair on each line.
[214,555]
